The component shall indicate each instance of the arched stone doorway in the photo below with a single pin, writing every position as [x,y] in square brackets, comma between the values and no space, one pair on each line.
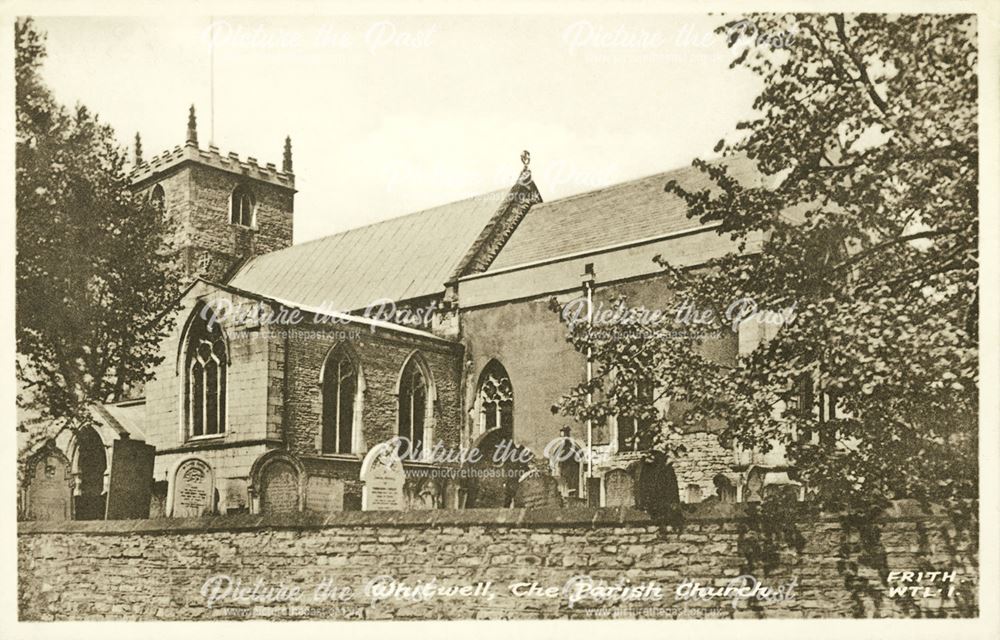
[91,465]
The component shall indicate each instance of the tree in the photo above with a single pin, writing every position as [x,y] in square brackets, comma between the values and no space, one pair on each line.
[95,279]
[867,225]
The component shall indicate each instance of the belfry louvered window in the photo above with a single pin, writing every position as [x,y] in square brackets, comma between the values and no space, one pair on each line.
[241,207]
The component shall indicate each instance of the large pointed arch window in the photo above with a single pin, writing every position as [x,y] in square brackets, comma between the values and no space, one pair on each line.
[633,432]
[495,399]
[340,394]
[206,379]
[414,404]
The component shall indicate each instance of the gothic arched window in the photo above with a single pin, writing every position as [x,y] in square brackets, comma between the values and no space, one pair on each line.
[414,404]
[158,198]
[633,432]
[206,379]
[495,399]
[241,207]
[340,393]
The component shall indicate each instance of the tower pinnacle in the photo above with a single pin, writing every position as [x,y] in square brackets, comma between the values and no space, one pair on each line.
[138,149]
[192,128]
[286,161]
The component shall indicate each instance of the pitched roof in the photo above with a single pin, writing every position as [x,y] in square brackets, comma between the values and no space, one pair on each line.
[401,258]
[126,419]
[612,215]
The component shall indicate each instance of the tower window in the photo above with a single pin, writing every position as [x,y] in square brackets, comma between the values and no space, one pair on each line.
[241,207]
[158,199]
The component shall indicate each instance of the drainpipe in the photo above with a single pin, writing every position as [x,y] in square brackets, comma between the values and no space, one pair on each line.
[588,288]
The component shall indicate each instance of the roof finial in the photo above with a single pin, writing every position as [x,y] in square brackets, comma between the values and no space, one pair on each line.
[525,176]
[192,132]
[138,149]
[286,161]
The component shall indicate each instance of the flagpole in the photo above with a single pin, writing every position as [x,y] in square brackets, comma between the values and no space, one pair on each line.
[211,81]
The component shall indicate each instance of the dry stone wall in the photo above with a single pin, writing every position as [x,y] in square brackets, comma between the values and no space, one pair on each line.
[543,563]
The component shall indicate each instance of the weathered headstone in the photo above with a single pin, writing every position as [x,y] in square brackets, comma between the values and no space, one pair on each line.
[491,481]
[424,493]
[158,499]
[777,485]
[619,488]
[383,479]
[537,491]
[324,495]
[693,493]
[233,496]
[725,489]
[131,480]
[656,485]
[49,492]
[279,492]
[194,489]
[753,488]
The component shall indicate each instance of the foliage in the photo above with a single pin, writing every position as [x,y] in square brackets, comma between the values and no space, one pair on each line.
[865,222]
[94,274]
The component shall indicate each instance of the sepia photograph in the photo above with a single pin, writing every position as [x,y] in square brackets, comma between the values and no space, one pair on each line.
[516,314]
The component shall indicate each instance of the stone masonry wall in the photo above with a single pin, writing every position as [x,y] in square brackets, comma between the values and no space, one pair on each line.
[197,198]
[381,358]
[530,341]
[254,385]
[514,563]
[212,231]
[262,395]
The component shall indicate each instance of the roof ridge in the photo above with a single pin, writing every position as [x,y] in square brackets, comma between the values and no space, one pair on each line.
[380,222]
[616,185]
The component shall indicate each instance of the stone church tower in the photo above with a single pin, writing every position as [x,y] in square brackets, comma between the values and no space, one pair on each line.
[226,210]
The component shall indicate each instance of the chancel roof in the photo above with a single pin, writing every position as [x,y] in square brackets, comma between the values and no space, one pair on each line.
[617,214]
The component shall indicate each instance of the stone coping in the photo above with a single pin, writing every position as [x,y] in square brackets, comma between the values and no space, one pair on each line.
[576,517]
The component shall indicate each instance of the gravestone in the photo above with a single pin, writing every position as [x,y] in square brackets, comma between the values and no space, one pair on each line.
[279,491]
[233,496]
[324,495]
[194,489]
[424,493]
[693,493]
[131,480]
[619,489]
[783,492]
[725,489]
[537,491]
[158,499]
[491,481]
[49,492]
[656,485]
[753,488]
[383,479]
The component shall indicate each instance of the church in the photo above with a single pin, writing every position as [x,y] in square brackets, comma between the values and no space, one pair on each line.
[289,362]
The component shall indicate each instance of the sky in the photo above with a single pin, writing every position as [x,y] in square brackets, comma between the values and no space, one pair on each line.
[394,114]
